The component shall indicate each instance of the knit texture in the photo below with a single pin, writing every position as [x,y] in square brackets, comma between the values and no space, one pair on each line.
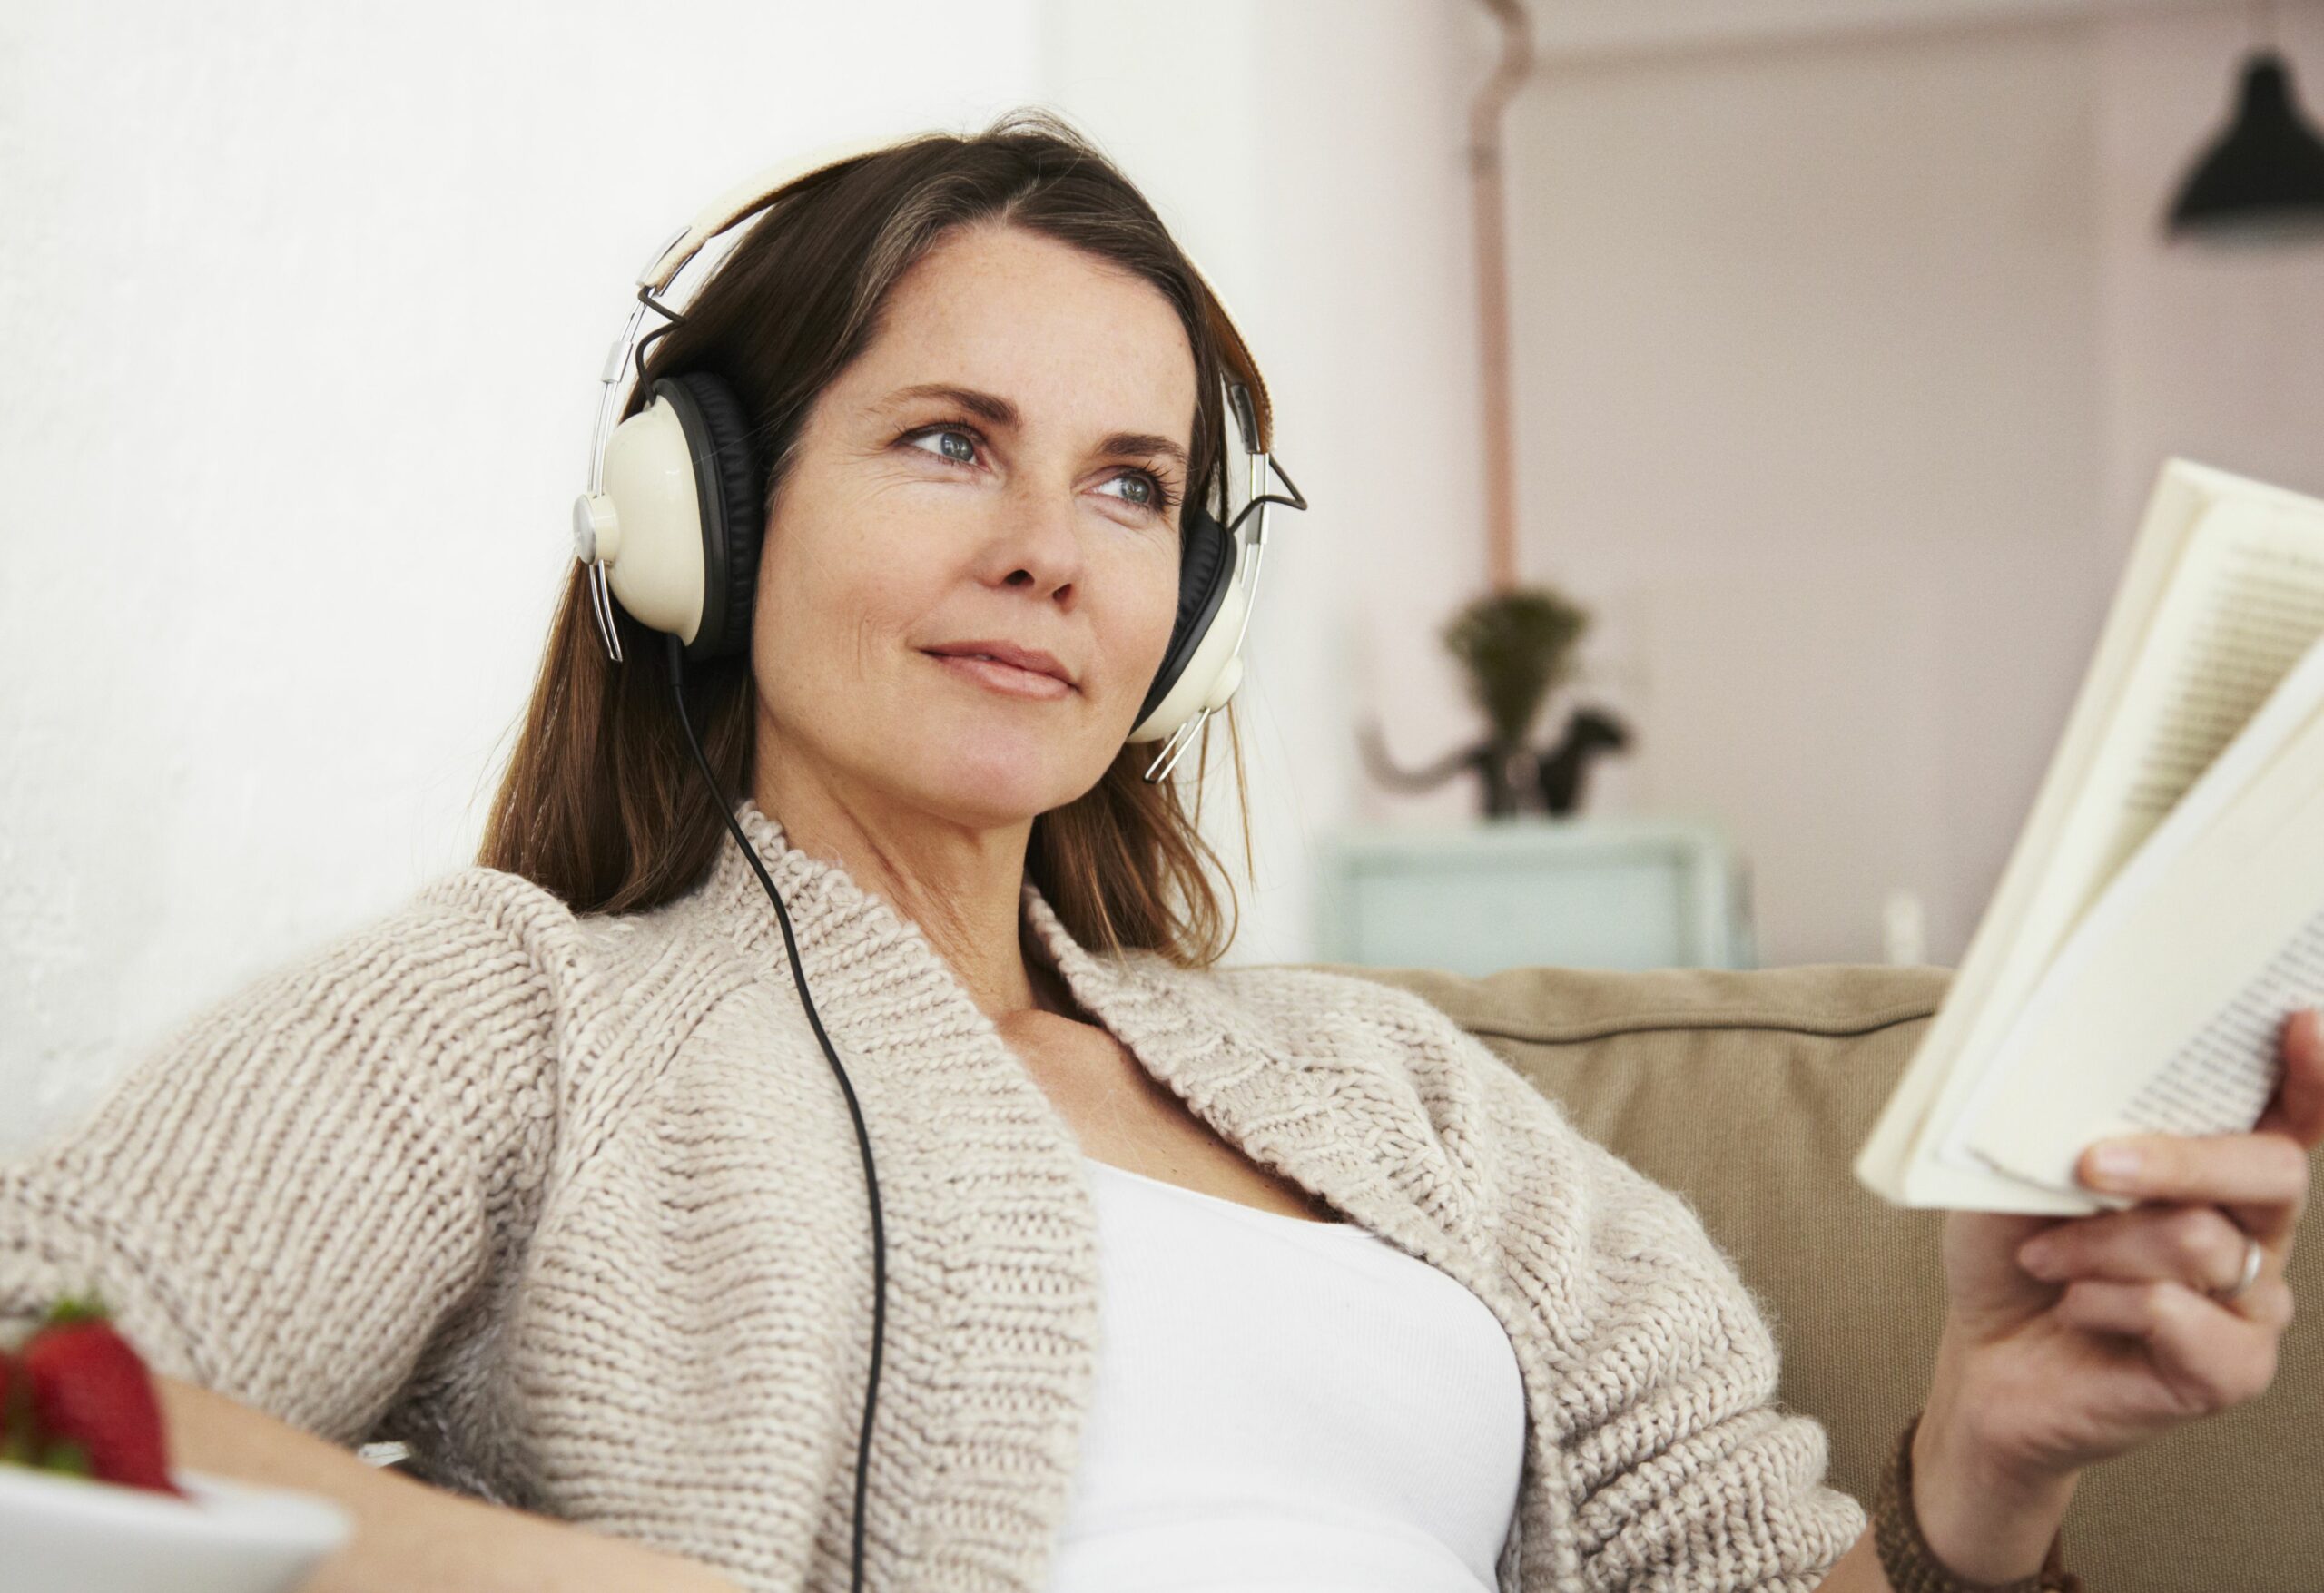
[573,1204]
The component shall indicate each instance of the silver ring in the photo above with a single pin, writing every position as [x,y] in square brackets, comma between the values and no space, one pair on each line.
[2252,1256]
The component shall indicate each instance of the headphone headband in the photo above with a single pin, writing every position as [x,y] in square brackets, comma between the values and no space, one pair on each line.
[747,198]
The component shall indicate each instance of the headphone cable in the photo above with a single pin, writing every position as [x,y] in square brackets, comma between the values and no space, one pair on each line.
[675,650]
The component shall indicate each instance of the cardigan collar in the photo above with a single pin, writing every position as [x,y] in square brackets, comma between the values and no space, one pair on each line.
[1326,1117]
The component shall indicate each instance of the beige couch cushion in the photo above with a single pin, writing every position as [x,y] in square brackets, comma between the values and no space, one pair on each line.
[1749,1093]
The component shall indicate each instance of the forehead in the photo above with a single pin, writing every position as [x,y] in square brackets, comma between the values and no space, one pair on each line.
[1066,335]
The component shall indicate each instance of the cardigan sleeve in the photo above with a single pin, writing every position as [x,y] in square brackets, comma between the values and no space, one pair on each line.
[289,1195]
[1683,1471]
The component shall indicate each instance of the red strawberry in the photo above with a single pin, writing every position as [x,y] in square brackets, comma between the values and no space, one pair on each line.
[90,1391]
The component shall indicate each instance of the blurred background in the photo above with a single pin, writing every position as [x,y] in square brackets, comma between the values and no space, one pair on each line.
[1844,339]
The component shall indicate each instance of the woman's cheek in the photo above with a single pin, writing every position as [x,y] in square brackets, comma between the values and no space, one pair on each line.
[1156,582]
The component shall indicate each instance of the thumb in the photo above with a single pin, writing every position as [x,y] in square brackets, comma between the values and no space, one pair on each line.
[2298,1106]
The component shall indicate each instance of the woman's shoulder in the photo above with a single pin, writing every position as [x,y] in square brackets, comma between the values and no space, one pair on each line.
[1304,1008]
[493,905]
[472,929]
[521,917]
[1295,996]
[497,896]
[473,951]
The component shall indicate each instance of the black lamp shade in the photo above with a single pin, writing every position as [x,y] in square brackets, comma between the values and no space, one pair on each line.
[2265,175]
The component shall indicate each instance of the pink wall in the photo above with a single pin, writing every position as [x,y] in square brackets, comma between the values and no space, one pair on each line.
[2215,354]
[1843,366]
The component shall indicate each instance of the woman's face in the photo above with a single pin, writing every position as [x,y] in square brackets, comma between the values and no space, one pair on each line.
[1001,466]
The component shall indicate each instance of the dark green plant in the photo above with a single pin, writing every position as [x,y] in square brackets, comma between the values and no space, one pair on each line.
[1513,648]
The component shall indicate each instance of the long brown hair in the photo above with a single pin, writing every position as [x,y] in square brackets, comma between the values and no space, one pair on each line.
[601,802]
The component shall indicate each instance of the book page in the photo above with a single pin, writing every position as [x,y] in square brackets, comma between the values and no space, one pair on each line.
[2184,1088]
[2256,601]
[2253,758]
[2180,977]
[2220,1081]
[2245,602]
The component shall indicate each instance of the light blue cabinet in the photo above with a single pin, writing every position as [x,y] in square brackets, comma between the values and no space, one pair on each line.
[1613,892]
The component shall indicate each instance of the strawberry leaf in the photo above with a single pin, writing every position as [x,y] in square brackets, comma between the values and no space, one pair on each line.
[73,1308]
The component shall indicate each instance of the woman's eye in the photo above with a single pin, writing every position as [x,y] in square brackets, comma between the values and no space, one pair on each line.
[1147,492]
[953,444]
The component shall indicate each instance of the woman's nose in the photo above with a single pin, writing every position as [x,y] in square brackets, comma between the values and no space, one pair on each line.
[1037,546]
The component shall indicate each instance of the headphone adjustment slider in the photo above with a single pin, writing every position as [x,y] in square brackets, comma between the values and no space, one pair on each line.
[597,528]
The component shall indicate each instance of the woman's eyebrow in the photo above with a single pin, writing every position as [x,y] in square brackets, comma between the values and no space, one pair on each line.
[1000,411]
[1143,442]
[990,407]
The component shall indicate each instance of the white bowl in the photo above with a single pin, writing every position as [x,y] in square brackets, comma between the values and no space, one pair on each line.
[63,1534]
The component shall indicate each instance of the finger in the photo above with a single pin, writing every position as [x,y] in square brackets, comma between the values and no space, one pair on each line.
[2261,1178]
[2142,1310]
[2297,1108]
[2196,1245]
[2206,1356]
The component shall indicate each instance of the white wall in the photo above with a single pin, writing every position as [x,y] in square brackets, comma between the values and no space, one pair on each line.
[305,315]
[1843,365]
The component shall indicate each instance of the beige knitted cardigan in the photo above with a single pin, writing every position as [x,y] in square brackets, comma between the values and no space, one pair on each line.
[572,1204]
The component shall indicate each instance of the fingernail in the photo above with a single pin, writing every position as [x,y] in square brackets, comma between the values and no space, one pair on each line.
[2115,1162]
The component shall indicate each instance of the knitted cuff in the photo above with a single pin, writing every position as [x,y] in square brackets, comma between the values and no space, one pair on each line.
[1905,1554]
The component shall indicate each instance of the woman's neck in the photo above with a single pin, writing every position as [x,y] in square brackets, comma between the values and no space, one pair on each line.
[962,887]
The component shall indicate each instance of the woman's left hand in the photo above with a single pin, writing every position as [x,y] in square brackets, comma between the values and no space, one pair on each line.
[2070,1341]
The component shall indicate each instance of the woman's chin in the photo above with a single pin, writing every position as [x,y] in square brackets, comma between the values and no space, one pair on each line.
[999,779]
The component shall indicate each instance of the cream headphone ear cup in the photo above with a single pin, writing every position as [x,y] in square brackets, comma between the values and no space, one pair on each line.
[682,478]
[1200,667]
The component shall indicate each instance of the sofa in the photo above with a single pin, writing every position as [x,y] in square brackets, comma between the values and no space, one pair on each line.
[1749,1093]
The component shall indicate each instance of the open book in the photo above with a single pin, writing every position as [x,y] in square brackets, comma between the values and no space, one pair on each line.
[2163,911]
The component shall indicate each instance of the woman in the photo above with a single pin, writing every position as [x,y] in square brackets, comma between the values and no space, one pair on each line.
[1194,1278]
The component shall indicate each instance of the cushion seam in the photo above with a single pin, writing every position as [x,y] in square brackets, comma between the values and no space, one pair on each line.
[1638,1023]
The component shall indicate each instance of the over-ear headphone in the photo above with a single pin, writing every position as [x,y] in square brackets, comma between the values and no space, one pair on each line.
[674,516]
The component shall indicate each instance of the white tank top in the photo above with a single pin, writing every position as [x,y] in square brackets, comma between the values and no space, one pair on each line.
[1284,1406]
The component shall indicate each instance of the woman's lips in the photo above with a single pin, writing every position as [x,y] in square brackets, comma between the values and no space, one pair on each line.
[1005,678]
